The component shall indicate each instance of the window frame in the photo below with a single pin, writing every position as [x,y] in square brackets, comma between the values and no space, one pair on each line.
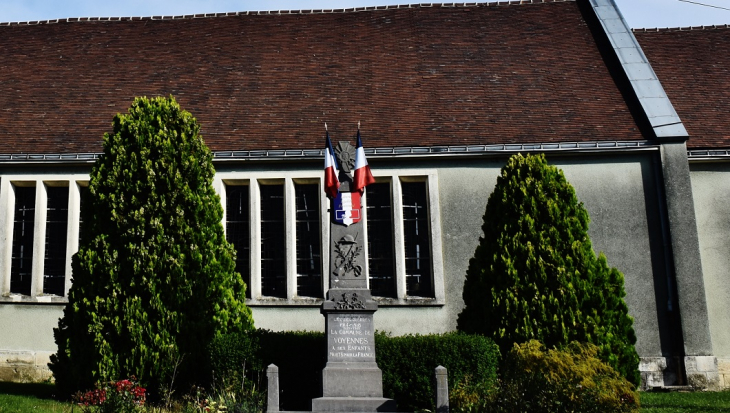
[395,177]
[74,181]
[41,182]
[255,179]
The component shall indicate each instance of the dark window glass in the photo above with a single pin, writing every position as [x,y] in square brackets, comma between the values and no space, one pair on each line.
[22,259]
[273,241]
[238,230]
[380,240]
[309,257]
[416,239]
[54,264]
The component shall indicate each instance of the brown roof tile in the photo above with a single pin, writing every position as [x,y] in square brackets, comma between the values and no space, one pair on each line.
[694,68]
[413,76]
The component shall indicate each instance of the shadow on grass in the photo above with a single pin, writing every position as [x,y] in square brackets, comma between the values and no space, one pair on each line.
[38,390]
[690,402]
[683,409]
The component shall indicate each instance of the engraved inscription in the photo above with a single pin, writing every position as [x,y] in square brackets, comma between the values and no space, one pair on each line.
[351,338]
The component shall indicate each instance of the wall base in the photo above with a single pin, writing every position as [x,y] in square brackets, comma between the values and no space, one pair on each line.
[24,366]
[698,372]
[702,372]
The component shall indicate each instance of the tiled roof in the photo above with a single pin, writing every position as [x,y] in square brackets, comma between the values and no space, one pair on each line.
[440,75]
[693,65]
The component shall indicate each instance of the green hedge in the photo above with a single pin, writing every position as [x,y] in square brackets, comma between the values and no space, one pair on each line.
[407,363]
[300,356]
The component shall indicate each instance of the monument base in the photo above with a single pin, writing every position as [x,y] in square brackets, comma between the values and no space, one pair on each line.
[352,380]
[353,404]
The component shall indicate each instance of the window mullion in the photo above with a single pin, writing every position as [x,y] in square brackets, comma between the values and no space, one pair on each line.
[74,219]
[291,246]
[39,239]
[436,247]
[325,239]
[400,251]
[220,189]
[365,247]
[255,233]
[7,203]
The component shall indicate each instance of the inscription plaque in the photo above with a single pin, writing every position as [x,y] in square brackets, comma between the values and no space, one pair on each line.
[350,338]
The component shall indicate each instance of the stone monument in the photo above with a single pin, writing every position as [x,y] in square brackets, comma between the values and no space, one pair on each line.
[351,379]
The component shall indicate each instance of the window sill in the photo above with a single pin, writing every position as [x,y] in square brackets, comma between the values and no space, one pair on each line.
[284,302]
[408,301]
[315,302]
[260,302]
[27,299]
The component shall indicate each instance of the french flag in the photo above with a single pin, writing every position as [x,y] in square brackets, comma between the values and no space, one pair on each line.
[331,183]
[362,177]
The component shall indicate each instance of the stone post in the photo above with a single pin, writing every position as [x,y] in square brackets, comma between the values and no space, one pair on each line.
[272,378]
[442,390]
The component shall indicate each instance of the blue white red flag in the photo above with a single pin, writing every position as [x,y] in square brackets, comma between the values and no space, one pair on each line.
[331,183]
[362,177]
[347,208]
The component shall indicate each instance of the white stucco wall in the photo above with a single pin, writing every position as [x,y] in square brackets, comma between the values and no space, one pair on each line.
[618,191]
[711,192]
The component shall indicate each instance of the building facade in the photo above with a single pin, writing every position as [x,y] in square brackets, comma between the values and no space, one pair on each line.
[445,93]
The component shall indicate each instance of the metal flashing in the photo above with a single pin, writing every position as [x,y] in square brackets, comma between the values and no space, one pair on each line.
[646,85]
[708,155]
[380,152]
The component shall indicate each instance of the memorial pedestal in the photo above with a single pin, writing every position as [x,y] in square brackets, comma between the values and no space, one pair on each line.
[351,380]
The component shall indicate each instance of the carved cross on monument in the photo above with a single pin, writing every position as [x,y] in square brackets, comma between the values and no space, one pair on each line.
[351,380]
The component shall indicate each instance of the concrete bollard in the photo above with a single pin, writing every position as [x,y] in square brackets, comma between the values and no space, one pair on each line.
[442,390]
[272,399]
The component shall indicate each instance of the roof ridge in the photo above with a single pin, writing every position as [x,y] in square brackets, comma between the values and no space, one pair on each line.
[682,29]
[283,12]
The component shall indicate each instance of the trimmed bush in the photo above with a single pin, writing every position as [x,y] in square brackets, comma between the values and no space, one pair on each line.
[407,362]
[298,354]
[534,274]
[537,380]
[154,279]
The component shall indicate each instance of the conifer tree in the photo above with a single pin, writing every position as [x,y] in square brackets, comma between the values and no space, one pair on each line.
[154,279]
[535,275]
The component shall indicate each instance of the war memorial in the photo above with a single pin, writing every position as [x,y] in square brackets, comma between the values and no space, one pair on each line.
[635,118]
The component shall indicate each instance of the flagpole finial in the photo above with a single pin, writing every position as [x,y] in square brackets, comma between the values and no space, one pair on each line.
[358,125]
[325,126]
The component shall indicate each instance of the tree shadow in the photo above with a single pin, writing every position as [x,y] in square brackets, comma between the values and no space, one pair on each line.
[38,390]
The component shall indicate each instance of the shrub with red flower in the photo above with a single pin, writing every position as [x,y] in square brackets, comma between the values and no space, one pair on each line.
[114,396]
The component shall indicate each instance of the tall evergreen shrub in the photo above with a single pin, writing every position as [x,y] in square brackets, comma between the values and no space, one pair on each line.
[534,275]
[154,279]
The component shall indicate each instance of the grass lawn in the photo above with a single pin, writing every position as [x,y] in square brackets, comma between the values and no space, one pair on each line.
[30,397]
[685,402]
[38,397]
